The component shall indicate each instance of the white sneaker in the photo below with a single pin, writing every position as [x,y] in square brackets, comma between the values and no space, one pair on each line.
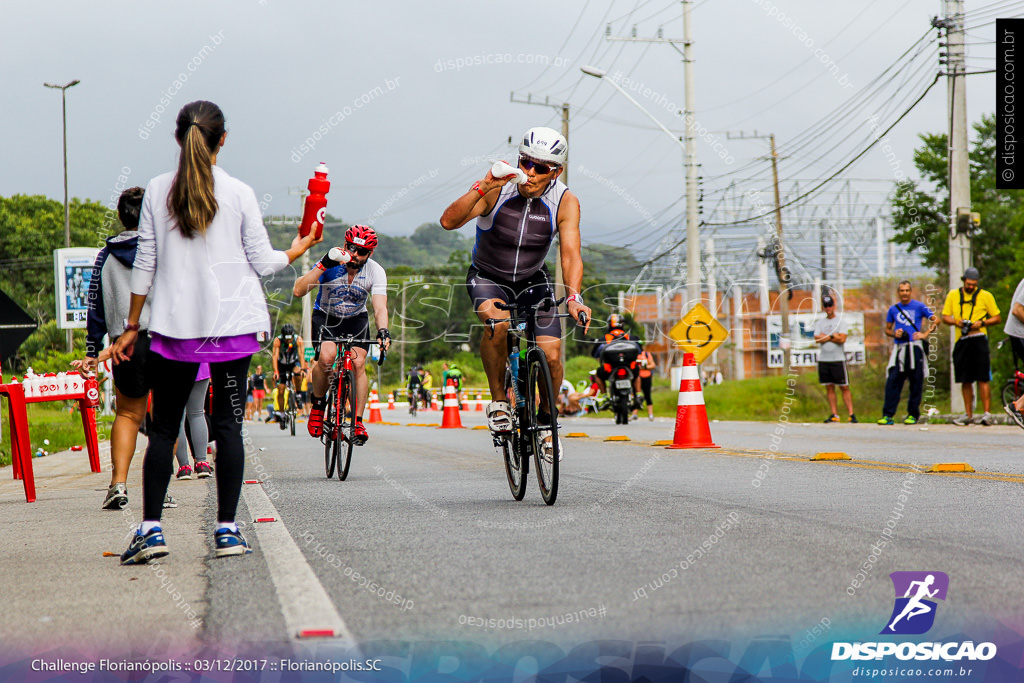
[499,417]
[986,419]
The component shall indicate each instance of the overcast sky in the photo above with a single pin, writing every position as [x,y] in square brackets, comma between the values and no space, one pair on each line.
[406,102]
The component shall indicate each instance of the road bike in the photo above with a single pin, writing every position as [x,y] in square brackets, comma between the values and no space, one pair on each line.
[339,409]
[291,408]
[1014,386]
[528,387]
[414,400]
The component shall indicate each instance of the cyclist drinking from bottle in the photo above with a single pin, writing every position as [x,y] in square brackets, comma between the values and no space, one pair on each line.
[519,213]
[345,280]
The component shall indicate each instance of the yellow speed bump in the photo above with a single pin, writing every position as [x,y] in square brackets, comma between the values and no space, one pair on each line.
[481,427]
[949,467]
[616,438]
[577,435]
[839,455]
[663,442]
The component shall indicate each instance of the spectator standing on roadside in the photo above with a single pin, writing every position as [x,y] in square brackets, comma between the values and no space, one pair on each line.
[109,299]
[646,364]
[202,249]
[1014,329]
[909,360]
[830,333]
[971,310]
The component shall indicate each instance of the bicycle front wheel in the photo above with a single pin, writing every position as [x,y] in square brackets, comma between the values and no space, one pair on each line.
[1009,393]
[546,446]
[330,435]
[516,463]
[346,421]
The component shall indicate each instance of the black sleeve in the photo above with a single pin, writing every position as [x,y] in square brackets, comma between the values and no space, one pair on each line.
[96,318]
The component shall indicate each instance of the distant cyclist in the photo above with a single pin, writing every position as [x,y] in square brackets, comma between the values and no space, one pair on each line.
[288,356]
[415,386]
[340,311]
[452,372]
[516,222]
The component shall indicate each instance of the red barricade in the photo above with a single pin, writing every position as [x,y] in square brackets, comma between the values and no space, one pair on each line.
[36,389]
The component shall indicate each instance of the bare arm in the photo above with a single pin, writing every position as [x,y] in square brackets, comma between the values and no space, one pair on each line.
[380,314]
[473,204]
[569,253]
[308,282]
[274,355]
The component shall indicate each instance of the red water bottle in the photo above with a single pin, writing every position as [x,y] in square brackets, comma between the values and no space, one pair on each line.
[92,392]
[315,210]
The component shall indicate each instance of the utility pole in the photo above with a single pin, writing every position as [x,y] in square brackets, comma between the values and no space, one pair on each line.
[689,145]
[959,170]
[564,108]
[780,255]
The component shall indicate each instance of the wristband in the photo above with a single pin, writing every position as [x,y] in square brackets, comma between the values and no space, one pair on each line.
[131,326]
[575,297]
[476,186]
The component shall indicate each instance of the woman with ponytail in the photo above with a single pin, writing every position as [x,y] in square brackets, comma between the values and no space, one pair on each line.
[202,249]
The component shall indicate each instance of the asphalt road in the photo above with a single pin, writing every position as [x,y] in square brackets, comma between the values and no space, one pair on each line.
[424,544]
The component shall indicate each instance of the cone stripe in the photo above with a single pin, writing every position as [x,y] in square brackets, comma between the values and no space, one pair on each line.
[691,398]
[690,372]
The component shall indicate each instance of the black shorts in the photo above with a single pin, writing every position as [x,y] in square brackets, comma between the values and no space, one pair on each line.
[482,286]
[832,372]
[971,360]
[130,376]
[333,328]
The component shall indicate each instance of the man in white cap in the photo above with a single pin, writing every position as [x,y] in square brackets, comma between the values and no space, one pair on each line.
[830,333]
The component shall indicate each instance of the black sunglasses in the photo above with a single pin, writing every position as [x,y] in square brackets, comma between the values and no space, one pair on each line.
[362,251]
[528,163]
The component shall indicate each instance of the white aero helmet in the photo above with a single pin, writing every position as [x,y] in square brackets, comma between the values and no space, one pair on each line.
[545,144]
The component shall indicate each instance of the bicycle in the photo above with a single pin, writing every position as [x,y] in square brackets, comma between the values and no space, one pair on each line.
[1014,386]
[290,404]
[414,399]
[528,386]
[339,409]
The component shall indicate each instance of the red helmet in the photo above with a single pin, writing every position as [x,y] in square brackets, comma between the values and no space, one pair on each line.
[362,236]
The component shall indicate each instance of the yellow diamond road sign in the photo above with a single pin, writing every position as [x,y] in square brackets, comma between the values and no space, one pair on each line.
[699,333]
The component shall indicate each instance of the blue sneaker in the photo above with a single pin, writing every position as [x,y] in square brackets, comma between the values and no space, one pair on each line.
[144,548]
[230,543]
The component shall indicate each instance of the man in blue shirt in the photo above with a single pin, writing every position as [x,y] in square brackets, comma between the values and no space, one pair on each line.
[908,361]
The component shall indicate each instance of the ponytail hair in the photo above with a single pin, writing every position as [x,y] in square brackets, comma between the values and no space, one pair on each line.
[198,129]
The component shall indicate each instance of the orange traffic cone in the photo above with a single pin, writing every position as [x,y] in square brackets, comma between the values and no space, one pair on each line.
[391,401]
[450,419]
[433,401]
[479,403]
[375,415]
[464,402]
[692,428]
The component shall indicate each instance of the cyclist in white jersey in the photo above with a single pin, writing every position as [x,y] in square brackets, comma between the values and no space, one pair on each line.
[345,279]
[516,224]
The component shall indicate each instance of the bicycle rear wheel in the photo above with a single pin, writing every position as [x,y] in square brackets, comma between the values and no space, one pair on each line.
[346,421]
[545,459]
[329,437]
[516,465]
[414,399]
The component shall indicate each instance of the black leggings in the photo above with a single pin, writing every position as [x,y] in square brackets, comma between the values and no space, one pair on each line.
[172,381]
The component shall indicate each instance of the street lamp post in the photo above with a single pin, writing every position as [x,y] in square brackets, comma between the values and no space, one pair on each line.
[64,123]
[692,224]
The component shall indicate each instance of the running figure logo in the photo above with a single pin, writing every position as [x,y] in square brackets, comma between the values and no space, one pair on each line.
[914,613]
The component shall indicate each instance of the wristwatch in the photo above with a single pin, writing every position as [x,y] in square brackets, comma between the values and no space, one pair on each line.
[130,326]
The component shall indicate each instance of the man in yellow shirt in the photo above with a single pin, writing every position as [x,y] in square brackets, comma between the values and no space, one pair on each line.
[971,310]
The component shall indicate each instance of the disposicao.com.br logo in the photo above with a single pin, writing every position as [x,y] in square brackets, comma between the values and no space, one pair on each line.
[913,613]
